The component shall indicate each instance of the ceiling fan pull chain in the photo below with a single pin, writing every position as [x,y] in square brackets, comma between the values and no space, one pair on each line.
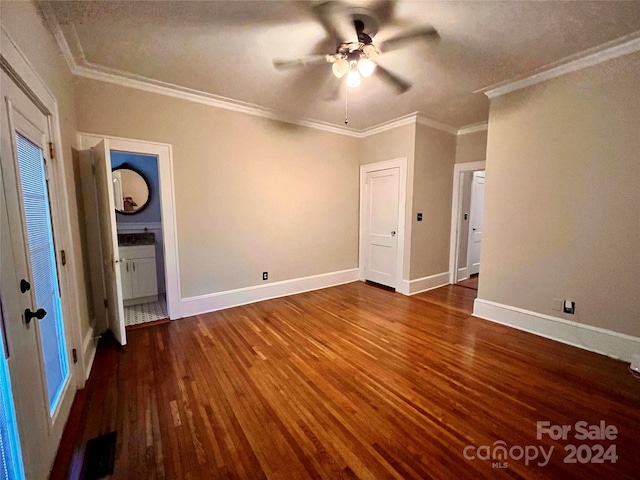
[346,106]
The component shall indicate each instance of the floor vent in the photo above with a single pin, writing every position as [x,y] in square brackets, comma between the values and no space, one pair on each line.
[99,457]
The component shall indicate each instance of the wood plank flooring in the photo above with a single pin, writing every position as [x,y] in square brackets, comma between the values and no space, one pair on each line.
[471,282]
[348,382]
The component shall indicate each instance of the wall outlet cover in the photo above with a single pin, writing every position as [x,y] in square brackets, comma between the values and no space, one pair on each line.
[635,362]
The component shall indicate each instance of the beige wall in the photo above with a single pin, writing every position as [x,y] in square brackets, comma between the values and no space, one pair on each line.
[432,190]
[562,199]
[23,24]
[430,157]
[471,147]
[251,194]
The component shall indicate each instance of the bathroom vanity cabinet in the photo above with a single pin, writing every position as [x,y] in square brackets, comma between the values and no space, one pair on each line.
[138,273]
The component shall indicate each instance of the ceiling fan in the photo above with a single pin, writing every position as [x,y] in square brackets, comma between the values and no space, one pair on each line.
[353,29]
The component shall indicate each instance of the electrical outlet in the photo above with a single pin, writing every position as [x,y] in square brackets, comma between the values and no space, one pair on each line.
[265,275]
[569,306]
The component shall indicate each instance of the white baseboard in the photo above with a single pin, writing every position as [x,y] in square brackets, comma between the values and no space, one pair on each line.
[606,342]
[463,274]
[419,285]
[232,298]
[89,347]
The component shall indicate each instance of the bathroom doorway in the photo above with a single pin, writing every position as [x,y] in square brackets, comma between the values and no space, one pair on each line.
[143,240]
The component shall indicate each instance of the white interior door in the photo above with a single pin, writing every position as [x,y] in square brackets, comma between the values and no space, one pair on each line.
[109,241]
[476,222]
[381,226]
[33,313]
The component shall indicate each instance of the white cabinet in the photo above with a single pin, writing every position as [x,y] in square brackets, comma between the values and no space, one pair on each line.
[138,273]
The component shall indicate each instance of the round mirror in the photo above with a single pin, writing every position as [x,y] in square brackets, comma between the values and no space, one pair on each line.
[130,189]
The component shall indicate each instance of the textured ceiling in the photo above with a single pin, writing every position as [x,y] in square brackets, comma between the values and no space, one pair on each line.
[226,48]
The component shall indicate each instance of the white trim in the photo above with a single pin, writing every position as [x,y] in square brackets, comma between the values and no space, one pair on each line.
[62,227]
[56,31]
[588,58]
[477,127]
[257,293]
[456,206]
[81,67]
[428,122]
[167,206]
[89,349]
[409,119]
[463,274]
[419,285]
[595,339]
[163,88]
[401,164]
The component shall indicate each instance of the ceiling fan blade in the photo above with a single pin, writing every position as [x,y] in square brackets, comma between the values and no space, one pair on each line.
[337,21]
[423,34]
[305,61]
[400,84]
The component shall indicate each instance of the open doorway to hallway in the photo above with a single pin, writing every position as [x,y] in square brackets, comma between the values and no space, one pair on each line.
[467,224]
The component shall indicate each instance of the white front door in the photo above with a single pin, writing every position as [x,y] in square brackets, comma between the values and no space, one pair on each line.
[33,312]
[381,211]
[109,241]
[476,222]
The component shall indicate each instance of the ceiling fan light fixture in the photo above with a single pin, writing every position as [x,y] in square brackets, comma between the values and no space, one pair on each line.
[340,67]
[370,50]
[366,67]
[353,79]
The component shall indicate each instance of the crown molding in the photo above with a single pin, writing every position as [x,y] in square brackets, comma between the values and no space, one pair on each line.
[116,77]
[409,119]
[79,66]
[476,127]
[58,35]
[428,122]
[588,58]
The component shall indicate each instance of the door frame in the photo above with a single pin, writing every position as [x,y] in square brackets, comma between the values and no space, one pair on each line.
[456,214]
[401,164]
[16,65]
[470,232]
[164,152]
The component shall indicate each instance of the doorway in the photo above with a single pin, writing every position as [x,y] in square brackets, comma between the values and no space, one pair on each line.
[467,218]
[141,247]
[382,222]
[136,185]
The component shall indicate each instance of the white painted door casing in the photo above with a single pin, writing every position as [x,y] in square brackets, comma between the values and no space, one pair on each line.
[389,178]
[476,223]
[40,430]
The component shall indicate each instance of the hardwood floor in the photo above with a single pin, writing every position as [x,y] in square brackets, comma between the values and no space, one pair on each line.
[348,382]
[471,282]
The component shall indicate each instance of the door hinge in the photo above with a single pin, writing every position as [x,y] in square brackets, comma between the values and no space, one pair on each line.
[63,257]
[106,303]
[74,353]
[52,151]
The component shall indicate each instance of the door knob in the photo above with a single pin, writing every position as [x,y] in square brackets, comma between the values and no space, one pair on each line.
[393,233]
[39,314]
[24,286]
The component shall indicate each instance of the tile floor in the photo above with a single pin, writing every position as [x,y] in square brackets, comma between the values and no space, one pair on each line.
[145,312]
